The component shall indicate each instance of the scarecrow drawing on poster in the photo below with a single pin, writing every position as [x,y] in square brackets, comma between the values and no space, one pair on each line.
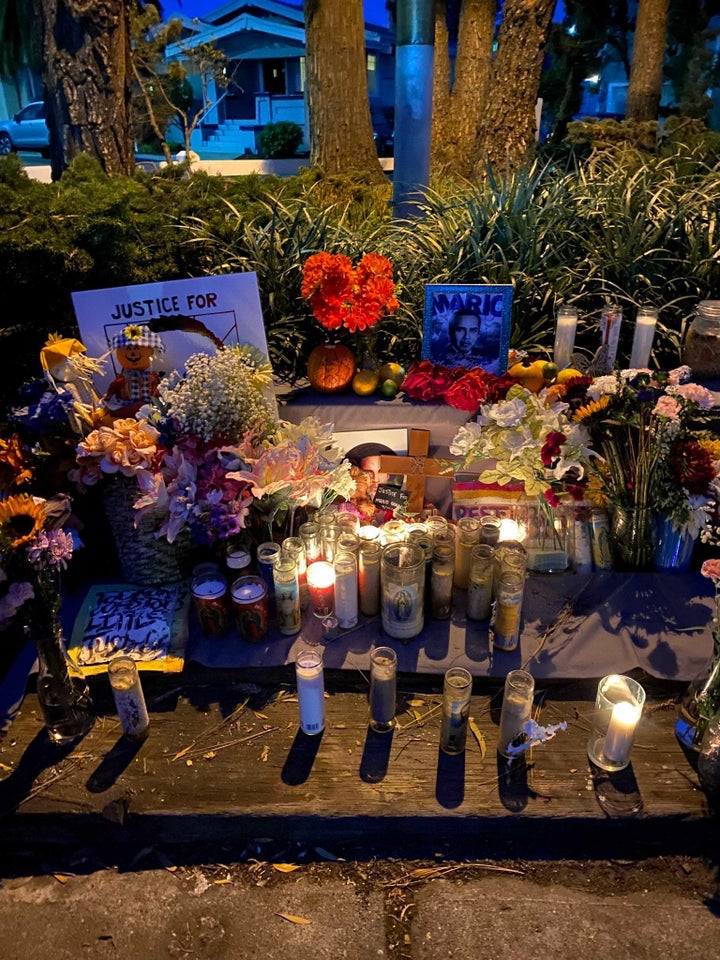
[468,326]
[135,348]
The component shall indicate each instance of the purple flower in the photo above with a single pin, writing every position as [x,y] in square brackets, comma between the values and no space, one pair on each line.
[51,548]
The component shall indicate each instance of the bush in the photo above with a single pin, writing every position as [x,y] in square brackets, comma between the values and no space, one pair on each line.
[279,139]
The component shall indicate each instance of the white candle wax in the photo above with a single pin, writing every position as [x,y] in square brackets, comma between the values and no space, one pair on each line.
[621,730]
[311,698]
[346,595]
[643,339]
[565,337]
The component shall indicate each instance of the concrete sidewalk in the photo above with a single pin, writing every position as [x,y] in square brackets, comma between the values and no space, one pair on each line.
[659,910]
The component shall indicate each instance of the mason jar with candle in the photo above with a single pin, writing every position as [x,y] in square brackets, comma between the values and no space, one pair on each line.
[346,590]
[480,582]
[369,577]
[701,350]
[383,689]
[287,596]
[516,707]
[466,537]
[310,691]
[441,581]
[309,533]
[505,621]
[402,584]
[321,587]
[618,706]
[565,330]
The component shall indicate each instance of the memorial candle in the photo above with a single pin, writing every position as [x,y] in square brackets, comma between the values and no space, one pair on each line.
[565,330]
[321,586]
[643,337]
[621,731]
[310,691]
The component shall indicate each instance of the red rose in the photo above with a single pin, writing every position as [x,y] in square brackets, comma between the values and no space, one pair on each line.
[421,381]
[551,448]
[469,391]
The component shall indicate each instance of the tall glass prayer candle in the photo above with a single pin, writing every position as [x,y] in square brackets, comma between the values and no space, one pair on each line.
[369,532]
[618,706]
[565,330]
[329,532]
[347,542]
[467,536]
[287,596]
[441,581]
[516,707]
[394,531]
[129,698]
[457,690]
[425,542]
[505,622]
[369,577]
[489,530]
[346,590]
[436,524]
[402,584]
[643,337]
[480,582]
[310,691]
[250,603]
[209,593]
[610,322]
[309,533]
[238,560]
[348,522]
[383,689]
[268,554]
[294,547]
[321,587]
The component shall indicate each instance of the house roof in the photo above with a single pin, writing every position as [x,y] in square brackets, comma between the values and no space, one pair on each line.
[261,16]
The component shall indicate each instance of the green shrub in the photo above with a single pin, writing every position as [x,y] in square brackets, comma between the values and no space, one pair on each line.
[279,139]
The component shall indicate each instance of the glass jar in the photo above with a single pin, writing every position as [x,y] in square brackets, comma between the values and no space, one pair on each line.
[348,522]
[701,350]
[457,690]
[321,587]
[287,596]
[505,622]
[516,707]
[489,530]
[480,582]
[565,330]
[383,689]
[394,531]
[210,596]
[402,580]
[618,706]
[252,610]
[129,698]
[309,533]
[329,533]
[311,691]
[346,590]
[441,581]
[466,537]
[369,577]
[268,554]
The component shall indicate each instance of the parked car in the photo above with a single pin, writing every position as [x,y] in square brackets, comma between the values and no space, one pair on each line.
[26,131]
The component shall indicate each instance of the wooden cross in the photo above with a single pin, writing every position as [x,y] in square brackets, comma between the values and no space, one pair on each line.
[416,467]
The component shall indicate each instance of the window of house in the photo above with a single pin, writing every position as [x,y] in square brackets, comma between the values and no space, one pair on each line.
[303,74]
[372,73]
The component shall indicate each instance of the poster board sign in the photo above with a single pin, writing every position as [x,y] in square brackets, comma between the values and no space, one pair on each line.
[468,325]
[191,316]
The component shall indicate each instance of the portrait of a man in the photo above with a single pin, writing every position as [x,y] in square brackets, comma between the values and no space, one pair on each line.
[468,326]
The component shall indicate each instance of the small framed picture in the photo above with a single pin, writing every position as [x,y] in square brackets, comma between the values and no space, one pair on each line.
[468,326]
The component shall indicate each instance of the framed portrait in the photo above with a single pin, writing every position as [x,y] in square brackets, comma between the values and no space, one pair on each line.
[468,326]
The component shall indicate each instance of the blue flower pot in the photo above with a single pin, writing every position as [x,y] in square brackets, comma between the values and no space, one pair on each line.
[673,548]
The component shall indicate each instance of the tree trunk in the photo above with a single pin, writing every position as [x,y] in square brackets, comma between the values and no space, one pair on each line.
[459,111]
[88,82]
[341,136]
[508,126]
[646,73]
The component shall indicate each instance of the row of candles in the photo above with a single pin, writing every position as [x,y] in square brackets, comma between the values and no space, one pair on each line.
[403,571]
[610,322]
[618,707]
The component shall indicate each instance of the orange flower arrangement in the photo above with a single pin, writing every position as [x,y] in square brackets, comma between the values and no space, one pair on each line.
[343,296]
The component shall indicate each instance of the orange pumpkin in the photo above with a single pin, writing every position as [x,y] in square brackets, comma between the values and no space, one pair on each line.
[331,367]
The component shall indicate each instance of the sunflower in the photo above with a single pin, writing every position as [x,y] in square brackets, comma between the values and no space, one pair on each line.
[133,331]
[591,408]
[15,466]
[21,519]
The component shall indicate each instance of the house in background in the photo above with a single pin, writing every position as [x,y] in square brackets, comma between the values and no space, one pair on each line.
[264,41]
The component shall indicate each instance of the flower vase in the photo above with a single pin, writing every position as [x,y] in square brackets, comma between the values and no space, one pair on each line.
[699,704]
[144,557]
[673,548]
[61,687]
[631,537]
[709,760]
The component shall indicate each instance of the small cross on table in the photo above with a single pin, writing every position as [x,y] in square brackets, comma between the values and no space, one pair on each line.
[416,467]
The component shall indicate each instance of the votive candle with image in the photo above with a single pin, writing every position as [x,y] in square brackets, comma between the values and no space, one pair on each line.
[287,596]
[321,587]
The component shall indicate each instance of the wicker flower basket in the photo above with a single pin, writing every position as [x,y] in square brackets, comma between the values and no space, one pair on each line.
[144,558]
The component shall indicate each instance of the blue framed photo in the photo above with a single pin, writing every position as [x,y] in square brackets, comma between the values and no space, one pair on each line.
[468,326]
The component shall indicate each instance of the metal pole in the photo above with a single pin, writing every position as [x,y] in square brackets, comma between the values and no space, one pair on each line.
[413,105]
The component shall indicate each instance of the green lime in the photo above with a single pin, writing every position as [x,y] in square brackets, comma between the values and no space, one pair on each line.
[389,388]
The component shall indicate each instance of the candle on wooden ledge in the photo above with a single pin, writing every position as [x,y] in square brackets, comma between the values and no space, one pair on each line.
[321,586]
[643,337]
[618,706]
[621,731]
[565,330]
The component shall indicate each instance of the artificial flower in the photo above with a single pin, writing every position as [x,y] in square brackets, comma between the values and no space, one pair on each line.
[21,519]
[341,296]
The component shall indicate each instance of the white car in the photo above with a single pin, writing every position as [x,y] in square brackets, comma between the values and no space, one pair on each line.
[26,131]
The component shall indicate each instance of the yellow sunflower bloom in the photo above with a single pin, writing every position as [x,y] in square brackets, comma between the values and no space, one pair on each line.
[133,331]
[590,409]
[712,447]
[21,519]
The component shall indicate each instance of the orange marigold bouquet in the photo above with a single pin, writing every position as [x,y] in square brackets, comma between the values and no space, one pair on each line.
[343,296]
